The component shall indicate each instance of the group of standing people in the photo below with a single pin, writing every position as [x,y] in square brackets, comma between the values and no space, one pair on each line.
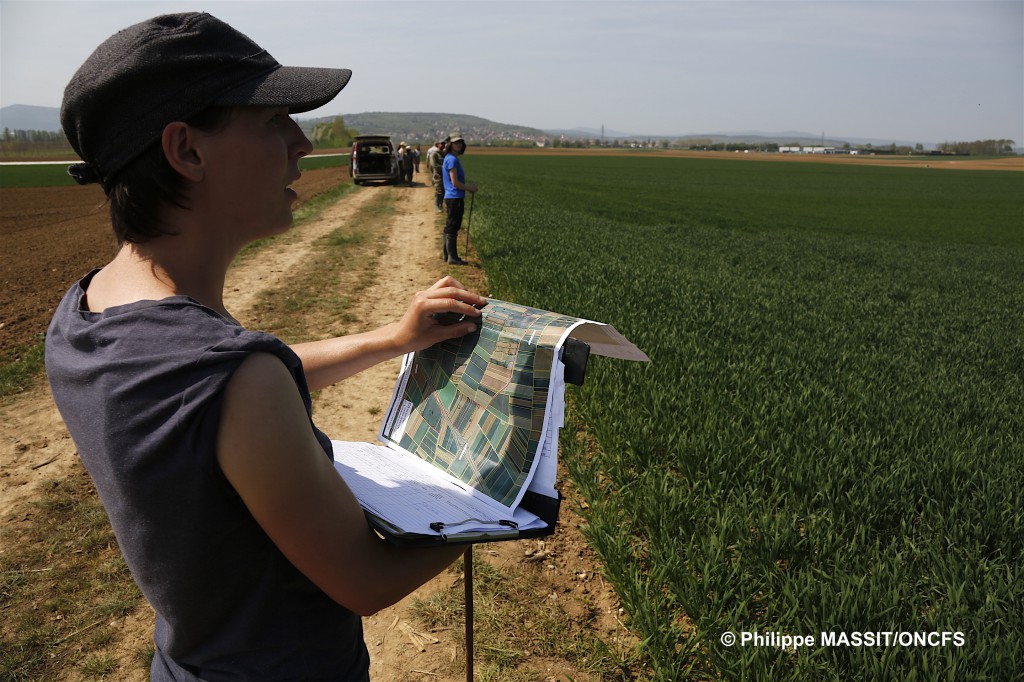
[408,161]
[450,188]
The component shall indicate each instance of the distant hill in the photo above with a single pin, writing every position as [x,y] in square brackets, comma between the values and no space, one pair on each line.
[427,128]
[416,128]
[28,117]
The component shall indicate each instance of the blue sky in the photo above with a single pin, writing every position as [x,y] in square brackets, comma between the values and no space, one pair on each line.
[917,70]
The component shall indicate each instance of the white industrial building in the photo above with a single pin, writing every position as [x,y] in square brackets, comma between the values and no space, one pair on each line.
[815,150]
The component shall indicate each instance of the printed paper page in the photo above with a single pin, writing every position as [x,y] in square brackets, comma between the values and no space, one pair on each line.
[411,494]
[476,406]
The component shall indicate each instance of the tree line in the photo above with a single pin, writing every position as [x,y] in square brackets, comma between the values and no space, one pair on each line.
[332,134]
[975,148]
[978,147]
[17,143]
[33,143]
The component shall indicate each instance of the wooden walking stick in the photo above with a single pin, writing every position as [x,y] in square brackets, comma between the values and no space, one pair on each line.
[469,221]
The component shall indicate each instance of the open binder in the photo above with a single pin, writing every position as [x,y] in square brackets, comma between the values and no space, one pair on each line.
[470,437]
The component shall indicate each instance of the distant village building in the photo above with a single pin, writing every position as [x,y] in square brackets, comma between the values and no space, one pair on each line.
[815,150]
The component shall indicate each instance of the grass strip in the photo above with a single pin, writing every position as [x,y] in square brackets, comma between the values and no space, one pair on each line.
[517,618]
[315,302]
[305,212]
[22,372]
[65,587]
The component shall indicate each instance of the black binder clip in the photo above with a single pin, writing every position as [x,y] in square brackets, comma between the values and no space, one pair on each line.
[575,354]
[439,526]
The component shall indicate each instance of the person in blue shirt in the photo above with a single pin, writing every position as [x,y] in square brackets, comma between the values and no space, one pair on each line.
[455,188]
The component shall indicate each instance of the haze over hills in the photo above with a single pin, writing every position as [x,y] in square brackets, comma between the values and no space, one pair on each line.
[425,127]
[28,117]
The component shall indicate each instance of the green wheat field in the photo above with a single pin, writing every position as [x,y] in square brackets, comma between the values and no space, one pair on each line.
[829,437]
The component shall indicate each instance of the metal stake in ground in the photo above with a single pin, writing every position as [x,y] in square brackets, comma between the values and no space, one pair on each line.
[469,221]
[467,579]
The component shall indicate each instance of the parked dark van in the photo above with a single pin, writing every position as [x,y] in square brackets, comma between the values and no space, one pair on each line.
[373,160]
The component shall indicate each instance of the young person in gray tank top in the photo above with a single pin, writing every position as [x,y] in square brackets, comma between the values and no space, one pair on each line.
[197,432]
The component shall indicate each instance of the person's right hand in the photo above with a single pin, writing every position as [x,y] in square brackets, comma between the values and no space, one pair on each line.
[419,329]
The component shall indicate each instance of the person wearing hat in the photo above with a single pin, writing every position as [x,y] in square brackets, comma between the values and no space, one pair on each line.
[197,432]
[455,188]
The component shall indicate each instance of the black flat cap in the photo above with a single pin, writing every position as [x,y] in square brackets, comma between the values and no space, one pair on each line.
[168,69]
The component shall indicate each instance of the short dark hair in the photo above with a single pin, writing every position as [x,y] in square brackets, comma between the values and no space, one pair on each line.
[139,193]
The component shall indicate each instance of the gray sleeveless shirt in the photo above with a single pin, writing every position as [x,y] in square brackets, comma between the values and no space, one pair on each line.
[140,388]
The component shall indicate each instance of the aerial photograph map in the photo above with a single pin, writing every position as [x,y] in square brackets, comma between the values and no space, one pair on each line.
[475,406]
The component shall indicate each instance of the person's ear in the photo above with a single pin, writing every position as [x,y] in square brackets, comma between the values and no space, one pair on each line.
[178,141]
